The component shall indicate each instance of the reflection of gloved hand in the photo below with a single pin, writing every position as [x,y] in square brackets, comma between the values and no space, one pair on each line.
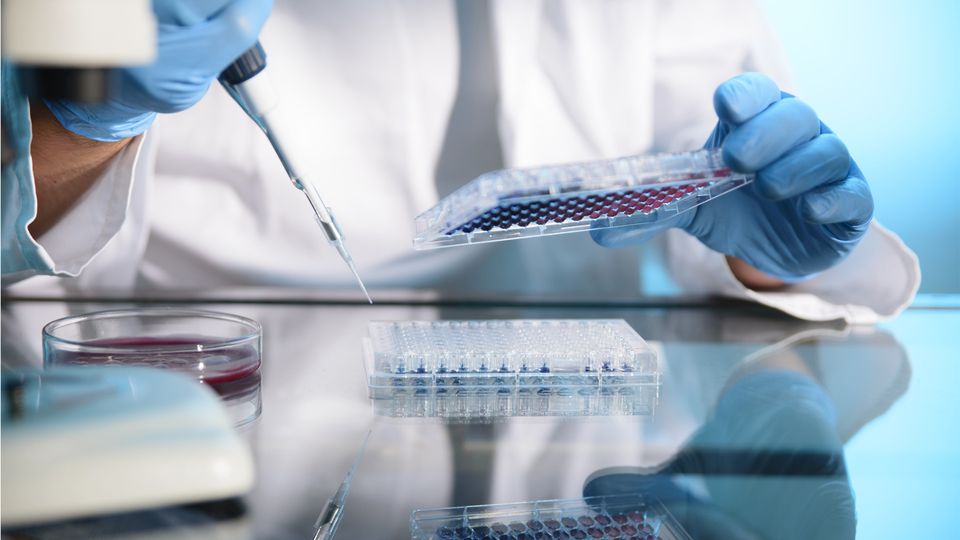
[809,205]
[767,464]
[197,39]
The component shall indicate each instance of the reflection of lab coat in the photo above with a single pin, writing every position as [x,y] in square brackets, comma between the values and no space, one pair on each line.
[390,99]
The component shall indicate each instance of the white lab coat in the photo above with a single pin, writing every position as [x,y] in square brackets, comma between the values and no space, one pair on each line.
[399,106]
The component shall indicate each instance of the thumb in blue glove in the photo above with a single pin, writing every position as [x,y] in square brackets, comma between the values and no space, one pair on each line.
[809,206]
[197,39]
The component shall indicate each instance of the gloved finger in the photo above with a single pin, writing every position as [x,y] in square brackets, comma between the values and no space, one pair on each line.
[848,201]
[231,32]
[769,135]
[187,12]
[621,237]
[823,160]
[744,96]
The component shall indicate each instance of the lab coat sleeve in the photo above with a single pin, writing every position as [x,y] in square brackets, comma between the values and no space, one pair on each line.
[875,282]
[69,246]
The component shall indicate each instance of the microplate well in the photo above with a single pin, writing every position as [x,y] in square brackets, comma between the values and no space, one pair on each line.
[630,516]
[502,368]
[540,201]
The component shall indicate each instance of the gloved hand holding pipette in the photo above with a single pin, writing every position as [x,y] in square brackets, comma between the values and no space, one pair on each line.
[196,40]
[810,204]
[74,143]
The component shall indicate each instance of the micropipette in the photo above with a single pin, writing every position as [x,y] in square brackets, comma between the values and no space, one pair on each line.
[253,91]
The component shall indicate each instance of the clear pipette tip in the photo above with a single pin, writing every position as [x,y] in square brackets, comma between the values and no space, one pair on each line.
[329,519]
[330,229]
[349,260]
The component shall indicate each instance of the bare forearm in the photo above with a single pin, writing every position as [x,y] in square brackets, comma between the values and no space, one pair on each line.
[65,166]
[751,277]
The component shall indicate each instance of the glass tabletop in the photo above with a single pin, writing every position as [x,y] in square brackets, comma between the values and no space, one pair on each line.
[762,426]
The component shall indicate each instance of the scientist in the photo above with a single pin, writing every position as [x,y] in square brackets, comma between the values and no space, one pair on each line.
[403,102]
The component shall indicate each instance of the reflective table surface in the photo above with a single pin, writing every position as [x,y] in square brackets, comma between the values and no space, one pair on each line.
[763,426]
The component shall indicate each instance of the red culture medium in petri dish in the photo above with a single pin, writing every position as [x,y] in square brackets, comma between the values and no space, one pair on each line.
[185,354]
[219,349]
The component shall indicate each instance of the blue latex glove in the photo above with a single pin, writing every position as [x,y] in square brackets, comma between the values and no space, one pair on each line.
[197,39]
[809,205]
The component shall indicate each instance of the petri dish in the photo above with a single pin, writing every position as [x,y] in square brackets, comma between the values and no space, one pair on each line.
[242,399]
[221,350]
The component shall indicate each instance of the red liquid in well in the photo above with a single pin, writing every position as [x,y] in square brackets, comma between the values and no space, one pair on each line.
[184,353]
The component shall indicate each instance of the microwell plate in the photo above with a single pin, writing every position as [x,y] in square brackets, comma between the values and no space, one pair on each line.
[622,517]
[540,201]
[501,368]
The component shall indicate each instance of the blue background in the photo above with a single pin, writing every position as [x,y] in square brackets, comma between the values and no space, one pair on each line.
[886,78]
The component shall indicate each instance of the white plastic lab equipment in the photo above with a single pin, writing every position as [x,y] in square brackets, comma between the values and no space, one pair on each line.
[86,441]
